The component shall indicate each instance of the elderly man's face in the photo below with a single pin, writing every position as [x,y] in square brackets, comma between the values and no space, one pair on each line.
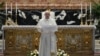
[47,15]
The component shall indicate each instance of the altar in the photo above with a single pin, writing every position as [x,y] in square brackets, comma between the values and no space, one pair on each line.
[74,39]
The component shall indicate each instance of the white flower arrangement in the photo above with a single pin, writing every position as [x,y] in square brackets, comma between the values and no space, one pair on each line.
[59,53]
[33,53]
[62,53]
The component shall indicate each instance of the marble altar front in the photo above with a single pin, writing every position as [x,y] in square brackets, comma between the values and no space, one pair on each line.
[71,38]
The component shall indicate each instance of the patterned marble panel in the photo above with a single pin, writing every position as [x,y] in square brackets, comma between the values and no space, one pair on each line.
[72,39]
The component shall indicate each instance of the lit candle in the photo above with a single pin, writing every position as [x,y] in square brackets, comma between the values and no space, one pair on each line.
[86,9]
[81,8]
[6,8]
[11,8]
[90,9]
[16,8]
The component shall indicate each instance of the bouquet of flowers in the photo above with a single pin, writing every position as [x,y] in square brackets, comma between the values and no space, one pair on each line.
[36,53]
[33,53]
[61,53]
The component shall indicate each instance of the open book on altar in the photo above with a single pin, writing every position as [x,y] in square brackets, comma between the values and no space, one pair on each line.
[47,28]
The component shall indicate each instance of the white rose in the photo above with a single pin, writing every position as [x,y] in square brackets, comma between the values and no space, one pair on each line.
[60,52]
[32,53]
[37,52]
[59,49]
[64,54]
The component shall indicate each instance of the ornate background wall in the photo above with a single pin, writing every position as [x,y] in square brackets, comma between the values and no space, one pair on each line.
[33,4]
[32,9]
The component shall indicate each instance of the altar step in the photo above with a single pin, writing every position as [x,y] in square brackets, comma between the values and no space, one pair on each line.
[1,46]
[97,46]
[72,54]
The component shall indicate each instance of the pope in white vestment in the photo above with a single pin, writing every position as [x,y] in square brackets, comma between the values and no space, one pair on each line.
[47,26]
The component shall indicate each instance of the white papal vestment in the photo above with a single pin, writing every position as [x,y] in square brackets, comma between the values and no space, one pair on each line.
[47,27]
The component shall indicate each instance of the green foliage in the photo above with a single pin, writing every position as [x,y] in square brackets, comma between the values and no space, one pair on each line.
[96,10]
[2,4]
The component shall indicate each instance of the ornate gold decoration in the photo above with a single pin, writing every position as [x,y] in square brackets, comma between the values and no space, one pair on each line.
[20,40]
[9,21]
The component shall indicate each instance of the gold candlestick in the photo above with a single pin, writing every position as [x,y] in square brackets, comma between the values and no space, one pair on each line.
[16,19]
[86,22]
[91,22]
[81,22]
[6,13]
[16,14]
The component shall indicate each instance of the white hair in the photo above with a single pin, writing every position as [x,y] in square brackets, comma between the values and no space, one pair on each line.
[52,14]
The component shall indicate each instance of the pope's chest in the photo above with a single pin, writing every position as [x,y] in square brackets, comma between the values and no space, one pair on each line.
[47,23]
